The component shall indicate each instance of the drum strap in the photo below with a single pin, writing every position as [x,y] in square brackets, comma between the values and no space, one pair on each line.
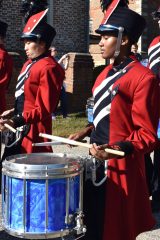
[12,139]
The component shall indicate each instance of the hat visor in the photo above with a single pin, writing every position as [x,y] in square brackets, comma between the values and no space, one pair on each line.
[107,28]
[30,36]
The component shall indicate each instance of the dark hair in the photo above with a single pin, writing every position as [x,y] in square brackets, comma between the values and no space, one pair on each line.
[156,14]
[55,49]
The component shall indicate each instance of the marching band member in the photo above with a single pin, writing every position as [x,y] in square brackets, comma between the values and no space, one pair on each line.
[6,67]
[154,49]
[125,118]
[154,65]
[38,87]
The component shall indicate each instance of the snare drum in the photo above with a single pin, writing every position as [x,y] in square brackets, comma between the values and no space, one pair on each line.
[42,195]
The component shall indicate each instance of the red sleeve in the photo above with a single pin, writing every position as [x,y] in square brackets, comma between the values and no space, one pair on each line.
[145,114]
[47,95]
[6,67]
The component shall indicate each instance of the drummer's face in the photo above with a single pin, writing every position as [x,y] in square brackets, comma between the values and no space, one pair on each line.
[33,49]
[108,46]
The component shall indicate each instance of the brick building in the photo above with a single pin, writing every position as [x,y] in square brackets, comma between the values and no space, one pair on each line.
[70,19]
[73,20]
[143,7]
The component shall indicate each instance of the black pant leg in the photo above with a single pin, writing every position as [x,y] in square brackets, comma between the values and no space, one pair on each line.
[156,175]
[149,172]
[94,202]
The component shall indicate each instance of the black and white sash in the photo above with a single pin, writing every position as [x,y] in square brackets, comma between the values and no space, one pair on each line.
[21,80]
[104,94]
[154,58]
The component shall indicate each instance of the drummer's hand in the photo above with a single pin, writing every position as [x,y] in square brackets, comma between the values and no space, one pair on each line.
[100,153]
[76,136]
[7,114]
[79,136]
[5,121]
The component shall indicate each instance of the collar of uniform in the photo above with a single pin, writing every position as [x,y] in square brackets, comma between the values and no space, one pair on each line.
[2,46]
[39,57]
[124,64]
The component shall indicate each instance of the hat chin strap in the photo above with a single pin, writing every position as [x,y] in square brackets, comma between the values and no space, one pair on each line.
[119,40]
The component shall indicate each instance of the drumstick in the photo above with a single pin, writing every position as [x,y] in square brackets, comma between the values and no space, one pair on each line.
[76,143]
[65,140]
[47,143]
[10,127]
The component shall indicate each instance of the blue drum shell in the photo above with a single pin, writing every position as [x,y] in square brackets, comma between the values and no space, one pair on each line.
[89,109]
[89,114]
[42,185]
[158,131]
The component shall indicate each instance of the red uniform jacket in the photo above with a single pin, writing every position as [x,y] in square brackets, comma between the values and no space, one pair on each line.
[41,94]
[133,117]
[6,67]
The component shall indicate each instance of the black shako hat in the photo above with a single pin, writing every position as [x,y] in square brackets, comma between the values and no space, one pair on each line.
[36,28]
[123,17]
[3,28]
